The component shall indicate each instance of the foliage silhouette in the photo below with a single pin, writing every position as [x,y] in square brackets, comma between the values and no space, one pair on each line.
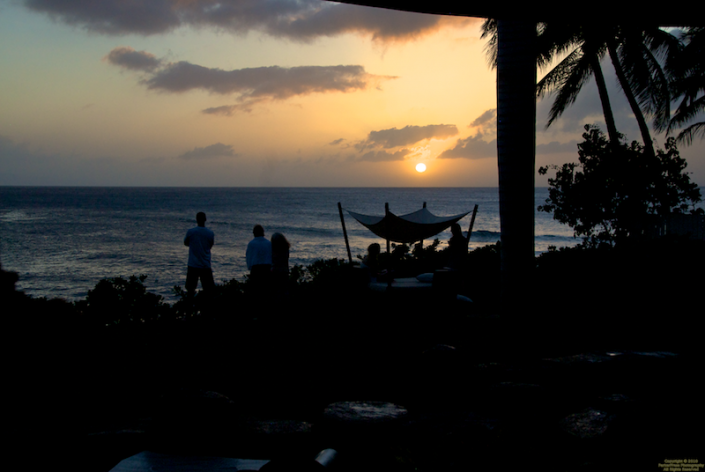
[638,55]
[614,193]
[688,84]
[119,301]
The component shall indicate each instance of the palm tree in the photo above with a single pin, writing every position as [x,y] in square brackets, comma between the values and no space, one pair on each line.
[641,56]
[516,156]
[688,83]
[647,55]
[569,76]
[635,53]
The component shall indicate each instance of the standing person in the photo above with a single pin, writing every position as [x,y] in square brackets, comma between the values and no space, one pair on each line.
[457,247]
[199,240]
[280,262]
[370,263]
[259,258]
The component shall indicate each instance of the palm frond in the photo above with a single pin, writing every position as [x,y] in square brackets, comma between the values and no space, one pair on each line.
[571,75]
[559,74]
[687,136]
[489,32]
[689,108]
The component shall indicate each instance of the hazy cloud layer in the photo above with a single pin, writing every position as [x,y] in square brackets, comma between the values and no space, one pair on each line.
[483,144]
[229,110]
[252,85]
[488,118]
[472,147]
[407,136]
[274,81]
[134,60]
[214,150]
[382,156]
[300,20]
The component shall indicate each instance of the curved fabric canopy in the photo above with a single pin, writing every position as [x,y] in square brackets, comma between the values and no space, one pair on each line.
[421,224]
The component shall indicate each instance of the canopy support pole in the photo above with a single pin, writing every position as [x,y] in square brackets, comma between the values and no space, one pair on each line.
[386,230]
[421,242]
[389,257]
[345,232]
[472,222]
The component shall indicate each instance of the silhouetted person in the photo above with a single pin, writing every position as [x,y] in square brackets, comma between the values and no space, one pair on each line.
[371,263]
[199,240]
[259,259]
[280,262]
[457,247]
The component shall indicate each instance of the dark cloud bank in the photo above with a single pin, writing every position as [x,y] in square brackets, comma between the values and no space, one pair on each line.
[251,85]
[134,60]
[298,20]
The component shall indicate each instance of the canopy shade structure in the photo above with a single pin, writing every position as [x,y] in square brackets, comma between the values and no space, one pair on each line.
[620,11]
[516,107]
[409,228]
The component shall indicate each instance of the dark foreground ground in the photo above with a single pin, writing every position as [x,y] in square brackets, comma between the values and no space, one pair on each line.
[580,379]
[481,393]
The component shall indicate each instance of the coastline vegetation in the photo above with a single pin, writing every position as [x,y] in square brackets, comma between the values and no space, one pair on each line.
[614,283]
[124,370]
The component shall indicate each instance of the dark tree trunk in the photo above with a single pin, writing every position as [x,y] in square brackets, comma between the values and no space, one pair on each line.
[624,83]
[604,99]
[516,153]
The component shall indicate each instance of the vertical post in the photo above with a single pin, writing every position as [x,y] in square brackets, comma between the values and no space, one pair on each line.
[389,256]
[386,229]
[472,222]
[421,242]
[516,156]
[345,232]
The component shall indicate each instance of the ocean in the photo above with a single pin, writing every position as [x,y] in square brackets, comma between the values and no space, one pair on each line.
[62,240]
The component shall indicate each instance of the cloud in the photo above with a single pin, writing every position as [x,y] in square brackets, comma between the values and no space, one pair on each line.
[299,20]
[229,110]
[382,156]
[273,82]
[214,150]
[252,85]
[487,118]
[134,60]
[409,135]
[112,16]
[472,147]
[336,142]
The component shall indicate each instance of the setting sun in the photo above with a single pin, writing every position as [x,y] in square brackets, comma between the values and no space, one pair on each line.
[421,167]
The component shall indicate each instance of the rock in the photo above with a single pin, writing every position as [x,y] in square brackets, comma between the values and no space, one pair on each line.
[361,424]
[364,412]
[589,423]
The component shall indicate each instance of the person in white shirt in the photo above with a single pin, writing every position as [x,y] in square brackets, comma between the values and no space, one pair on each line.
[259,252]
[199,240]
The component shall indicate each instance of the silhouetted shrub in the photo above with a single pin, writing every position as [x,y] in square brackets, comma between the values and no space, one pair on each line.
[616,190]
[119,301]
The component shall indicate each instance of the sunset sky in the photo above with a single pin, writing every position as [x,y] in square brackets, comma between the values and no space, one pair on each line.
[259,93]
